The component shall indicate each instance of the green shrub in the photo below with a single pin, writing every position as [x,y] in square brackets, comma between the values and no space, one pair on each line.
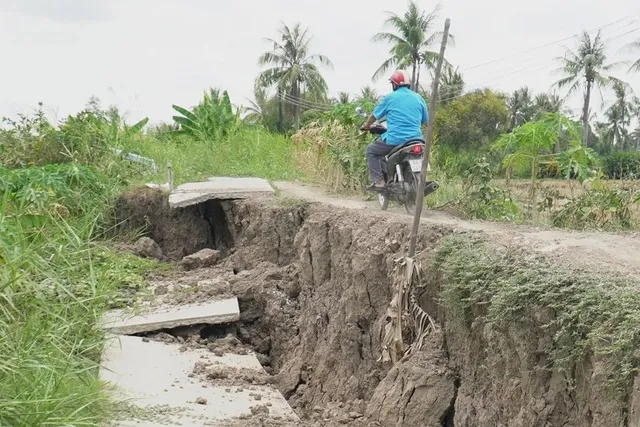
[601,208]
[74,188]
[481,200]
[89,137]
[622,165]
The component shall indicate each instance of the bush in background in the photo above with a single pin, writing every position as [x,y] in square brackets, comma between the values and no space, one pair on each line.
[622,165]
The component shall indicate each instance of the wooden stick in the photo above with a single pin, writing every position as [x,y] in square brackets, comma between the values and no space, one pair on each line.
[425,160]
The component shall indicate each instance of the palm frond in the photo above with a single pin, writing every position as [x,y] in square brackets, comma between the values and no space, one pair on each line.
[389,37]
[271,58]
[385,67]
[323,60]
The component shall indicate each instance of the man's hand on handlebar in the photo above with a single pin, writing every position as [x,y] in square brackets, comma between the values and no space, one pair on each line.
[368,123]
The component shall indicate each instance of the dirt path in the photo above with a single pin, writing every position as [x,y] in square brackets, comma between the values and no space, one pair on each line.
[618,252]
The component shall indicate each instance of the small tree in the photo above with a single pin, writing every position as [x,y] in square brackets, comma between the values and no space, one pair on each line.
[532,145]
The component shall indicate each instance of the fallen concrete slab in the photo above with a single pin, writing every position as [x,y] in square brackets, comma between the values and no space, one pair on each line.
[152,377]
[219,188]
[213,312]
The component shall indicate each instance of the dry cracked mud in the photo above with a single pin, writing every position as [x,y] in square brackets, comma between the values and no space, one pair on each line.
[314,281]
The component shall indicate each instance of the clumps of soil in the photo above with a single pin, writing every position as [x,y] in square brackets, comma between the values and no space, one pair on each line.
[209,370]
[160,414]
[201,259]
[178,232]
[146,247]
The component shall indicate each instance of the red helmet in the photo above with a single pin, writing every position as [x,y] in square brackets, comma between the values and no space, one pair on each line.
[400,78]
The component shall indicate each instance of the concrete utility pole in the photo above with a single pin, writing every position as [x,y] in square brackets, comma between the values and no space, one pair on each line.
[425,160]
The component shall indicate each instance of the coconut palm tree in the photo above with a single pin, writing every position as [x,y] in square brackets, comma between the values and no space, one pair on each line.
[619,114]
[343,98]
[520,107]
[451,85]
[368,93]
[257,108]
[411,41]
[586,67]
[546,103]
[293,69]
[636,65]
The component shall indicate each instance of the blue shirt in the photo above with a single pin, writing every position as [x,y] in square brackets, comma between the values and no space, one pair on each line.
[406,111]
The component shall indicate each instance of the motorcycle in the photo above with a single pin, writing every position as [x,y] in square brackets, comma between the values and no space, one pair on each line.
[401,169]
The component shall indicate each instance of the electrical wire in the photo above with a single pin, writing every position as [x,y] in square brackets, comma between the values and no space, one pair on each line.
[550,43]
[303,103]
[290,99]
[527,68]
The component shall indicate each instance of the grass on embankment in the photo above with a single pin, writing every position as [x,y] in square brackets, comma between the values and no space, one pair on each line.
[54,285]
[251,153]
[594,315]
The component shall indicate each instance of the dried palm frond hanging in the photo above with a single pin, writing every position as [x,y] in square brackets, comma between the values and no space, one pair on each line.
[404,312]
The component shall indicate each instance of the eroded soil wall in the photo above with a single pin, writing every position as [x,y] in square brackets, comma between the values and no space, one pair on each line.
[317,304]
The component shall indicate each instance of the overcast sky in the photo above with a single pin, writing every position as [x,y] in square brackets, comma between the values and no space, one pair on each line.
[144,55]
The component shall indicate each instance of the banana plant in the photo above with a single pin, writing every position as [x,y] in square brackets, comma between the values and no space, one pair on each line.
[211,120]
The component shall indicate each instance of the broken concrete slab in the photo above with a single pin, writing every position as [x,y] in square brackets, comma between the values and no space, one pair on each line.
[223,188]
[213,312]
[152,376]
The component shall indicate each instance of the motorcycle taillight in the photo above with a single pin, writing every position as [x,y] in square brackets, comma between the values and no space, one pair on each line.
[417,149]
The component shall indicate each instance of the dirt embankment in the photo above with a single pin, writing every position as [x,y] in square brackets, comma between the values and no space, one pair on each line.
[314,285]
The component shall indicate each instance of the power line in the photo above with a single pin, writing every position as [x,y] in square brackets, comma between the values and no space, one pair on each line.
[300,102]
[549,44]
[526,68]
[297,101]
[621,35]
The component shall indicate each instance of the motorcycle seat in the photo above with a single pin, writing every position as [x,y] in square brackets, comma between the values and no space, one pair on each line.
[404,145]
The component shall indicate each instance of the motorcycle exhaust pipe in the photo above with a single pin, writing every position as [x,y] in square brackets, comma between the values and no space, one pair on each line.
[399,173]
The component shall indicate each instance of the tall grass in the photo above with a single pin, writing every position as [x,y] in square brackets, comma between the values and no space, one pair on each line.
[54,285]
[252,152]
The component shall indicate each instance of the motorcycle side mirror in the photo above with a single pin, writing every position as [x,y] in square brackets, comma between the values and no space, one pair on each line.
[360,112]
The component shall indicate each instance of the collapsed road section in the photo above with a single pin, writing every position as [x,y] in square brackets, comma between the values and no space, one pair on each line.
[314,284]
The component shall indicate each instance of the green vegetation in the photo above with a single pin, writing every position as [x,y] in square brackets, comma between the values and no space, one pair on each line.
[58,182]
[251,152]
[622,165]
[54,285]
[585,313]
[532,144]
[210,120]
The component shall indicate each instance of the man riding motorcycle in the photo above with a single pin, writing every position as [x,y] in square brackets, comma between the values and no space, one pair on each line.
[406,112]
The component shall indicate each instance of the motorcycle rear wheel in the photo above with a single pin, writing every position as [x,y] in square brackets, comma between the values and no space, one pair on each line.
[411,180]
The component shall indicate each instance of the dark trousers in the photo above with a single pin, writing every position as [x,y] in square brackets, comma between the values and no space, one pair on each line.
[375,151]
